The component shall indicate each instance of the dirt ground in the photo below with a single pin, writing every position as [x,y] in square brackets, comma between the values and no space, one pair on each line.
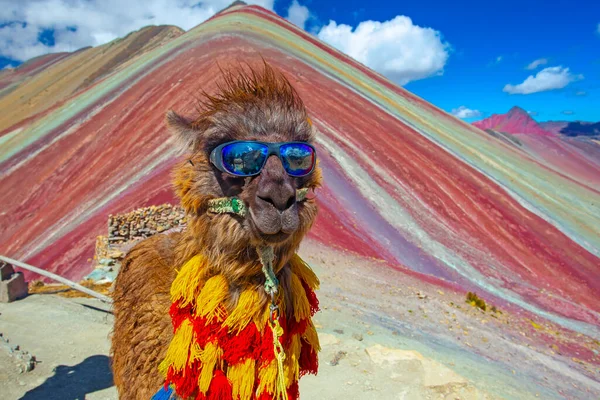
[384,335]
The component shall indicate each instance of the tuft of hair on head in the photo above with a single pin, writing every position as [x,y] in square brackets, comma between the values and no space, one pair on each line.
[247,85]
[249,100]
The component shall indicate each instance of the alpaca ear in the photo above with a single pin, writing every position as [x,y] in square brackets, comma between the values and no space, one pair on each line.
[182,129]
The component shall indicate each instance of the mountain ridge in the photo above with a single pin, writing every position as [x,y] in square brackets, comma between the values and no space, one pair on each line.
[515,121]
[25,92]
[519,121]
[400,174]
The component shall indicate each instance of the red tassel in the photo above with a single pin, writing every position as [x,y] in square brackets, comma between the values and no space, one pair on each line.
[308,361]
[238,346]
[178,315]
[285,338]
[297,328]
[265,396]
[200,396]
[208,331]
[187,381]
[264,352]
[293,392]
[220,388]
[312,299]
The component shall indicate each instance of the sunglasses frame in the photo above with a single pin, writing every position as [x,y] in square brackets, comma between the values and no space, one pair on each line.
[273,148]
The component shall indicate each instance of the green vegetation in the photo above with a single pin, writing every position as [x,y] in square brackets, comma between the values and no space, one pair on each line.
[475,301]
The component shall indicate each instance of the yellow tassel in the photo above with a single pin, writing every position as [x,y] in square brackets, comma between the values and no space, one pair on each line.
[261,319]
[267,376]
[213,293]
[241,376]
[300,302]
[249,305]
[177,353]
[188,281]
[304,272]
[209,357]
[311,336]
[195,352]
[292,358]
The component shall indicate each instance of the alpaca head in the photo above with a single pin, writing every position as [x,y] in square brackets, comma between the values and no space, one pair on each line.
[257,105]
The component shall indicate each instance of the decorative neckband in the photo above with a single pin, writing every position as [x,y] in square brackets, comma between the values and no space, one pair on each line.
[234,205]
[250,352]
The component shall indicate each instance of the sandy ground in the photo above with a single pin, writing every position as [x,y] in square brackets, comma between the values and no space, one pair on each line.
[385,335]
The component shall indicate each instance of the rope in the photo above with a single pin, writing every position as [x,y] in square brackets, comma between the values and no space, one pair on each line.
[267,256]
[280,389]
[57,278]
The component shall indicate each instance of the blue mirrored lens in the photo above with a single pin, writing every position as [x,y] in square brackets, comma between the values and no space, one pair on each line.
[298,158]
[244,158]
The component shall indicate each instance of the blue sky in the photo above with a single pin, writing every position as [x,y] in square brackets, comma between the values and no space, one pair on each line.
[476,54]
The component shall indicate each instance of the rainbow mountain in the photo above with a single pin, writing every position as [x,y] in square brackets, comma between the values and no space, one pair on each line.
[82,136]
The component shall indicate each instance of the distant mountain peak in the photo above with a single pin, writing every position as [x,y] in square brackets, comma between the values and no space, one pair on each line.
[518,110]
[516,120]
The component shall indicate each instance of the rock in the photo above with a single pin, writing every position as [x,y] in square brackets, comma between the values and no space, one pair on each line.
[337,357]
[357,336]
[106,261]
[116,254]
[326,339]
[430,372]
[339,331]
[13,288]
[6,271]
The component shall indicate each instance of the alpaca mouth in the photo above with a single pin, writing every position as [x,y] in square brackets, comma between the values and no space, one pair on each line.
[270,226]
[278,237]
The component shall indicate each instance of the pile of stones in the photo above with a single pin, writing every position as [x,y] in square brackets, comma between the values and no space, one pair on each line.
[125,230]
[144,222]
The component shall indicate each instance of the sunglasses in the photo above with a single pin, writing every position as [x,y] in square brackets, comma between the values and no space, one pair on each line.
[242,158]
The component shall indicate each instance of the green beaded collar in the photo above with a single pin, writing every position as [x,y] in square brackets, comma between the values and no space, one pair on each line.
[233,205]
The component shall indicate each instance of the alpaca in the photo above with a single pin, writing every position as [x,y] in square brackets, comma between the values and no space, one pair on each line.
[222,310]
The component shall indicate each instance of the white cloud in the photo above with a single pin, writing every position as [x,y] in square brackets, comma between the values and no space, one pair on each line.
[398,49]
[95,21]
[463,112]
[547,79]
[537,63]
[298,14]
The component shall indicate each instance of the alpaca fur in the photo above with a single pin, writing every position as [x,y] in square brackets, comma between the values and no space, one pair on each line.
[251,104]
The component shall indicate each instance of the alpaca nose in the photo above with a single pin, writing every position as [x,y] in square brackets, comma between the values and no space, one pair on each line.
[280,201]
[275,186]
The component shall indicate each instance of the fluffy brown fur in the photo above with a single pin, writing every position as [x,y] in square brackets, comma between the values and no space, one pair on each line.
[252,104]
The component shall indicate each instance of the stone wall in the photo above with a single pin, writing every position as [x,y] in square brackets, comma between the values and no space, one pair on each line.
[125,230]
[144,222]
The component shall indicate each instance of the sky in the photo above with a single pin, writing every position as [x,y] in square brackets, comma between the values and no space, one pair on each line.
[467,57]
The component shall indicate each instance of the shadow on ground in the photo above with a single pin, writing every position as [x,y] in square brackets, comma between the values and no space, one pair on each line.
[74,382]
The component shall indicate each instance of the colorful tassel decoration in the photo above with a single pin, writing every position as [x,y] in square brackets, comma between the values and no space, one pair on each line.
[241,354]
